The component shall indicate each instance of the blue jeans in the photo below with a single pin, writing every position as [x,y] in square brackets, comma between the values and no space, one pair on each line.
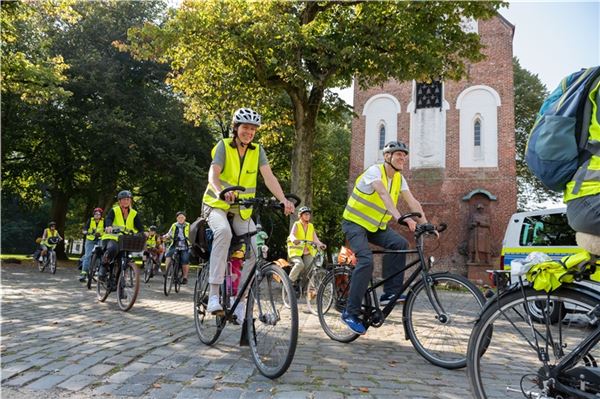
[584,214]
[87,256]
[359,238]
[184,255]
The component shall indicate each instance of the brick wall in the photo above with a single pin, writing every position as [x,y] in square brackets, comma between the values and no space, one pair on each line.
[441,191]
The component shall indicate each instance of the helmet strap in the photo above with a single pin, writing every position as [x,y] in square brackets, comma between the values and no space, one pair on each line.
[393,167]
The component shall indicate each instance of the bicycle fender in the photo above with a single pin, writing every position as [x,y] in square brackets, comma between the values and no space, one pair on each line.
[244,337]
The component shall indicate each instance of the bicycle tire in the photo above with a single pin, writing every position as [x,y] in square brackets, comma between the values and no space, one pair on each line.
[128,286]
[285,297]
[178,276]
[504,361]
[208,326]
[272,328]
[41,264]
[443,339]
[315,277]
[93,268]
[103,287]
[52,262]
[148,264]
[168,283]
[331,302]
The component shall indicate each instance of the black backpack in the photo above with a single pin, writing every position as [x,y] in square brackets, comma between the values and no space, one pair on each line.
[200,238]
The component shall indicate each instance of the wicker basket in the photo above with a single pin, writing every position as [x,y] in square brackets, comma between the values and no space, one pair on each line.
[132,243]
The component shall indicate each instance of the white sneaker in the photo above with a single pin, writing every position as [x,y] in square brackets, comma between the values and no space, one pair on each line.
[41,259]
[240,312]
[213,304]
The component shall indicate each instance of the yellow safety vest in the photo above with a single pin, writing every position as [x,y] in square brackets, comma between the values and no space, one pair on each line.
[151,241]
[308,235]
[368,210]
[49,234]
[186,233]
[236,173]
[586,180]
[118,222]
[95,228]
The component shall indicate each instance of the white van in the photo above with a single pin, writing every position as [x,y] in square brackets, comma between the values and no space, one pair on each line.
[543,230]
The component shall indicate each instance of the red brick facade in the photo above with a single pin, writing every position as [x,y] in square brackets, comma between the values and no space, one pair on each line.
[441,191]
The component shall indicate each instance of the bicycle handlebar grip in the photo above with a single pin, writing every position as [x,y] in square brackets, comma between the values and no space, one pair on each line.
[294,197]
[228,189]
[406,216]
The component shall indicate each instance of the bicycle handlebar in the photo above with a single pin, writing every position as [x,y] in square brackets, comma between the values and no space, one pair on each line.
[263,202]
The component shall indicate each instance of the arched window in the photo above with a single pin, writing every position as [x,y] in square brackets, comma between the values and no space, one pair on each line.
[477,132]
[381,136]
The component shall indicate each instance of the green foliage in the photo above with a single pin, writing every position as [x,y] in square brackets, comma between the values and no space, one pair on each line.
[530,93]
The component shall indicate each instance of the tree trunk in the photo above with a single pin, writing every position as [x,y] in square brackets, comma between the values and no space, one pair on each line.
[60,203]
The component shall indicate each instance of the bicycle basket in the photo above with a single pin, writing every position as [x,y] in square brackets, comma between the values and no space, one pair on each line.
[132,243]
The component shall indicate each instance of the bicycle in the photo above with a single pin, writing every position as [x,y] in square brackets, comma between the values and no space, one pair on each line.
[438,308]
[95,262]
[150,264]
[174,273]
[269,327]
[536,344]
[310,279]
[49,260]
[123,275]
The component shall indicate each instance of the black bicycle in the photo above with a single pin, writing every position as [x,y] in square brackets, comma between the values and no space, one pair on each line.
[310,278]
[269,327]
[95,261]
[49,260]
[174,273]
[551,352]
[151,265]
[123,275]
[440,310]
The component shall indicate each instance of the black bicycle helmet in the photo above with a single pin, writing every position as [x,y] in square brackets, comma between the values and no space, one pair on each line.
[304,209]
[394,146]
[152,228]
[52,224]
[180,213]
[246,115]
[124,194]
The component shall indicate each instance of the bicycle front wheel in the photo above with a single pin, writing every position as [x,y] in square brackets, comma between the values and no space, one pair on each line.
[169,276]
[178,277]
[506,345]
[93,269]
[128,286]
[273,327]
[332,298]
[441,336]
[208,326]
[148,264]
[315,278]
[52,261]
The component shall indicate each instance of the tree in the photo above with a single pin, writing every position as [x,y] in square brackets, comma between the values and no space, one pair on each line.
[227,54]
[530,93]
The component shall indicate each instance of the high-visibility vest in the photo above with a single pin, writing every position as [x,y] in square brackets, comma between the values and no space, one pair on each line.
[151,241]
[118,222]
[95,228]
[586,180]
[236,173]
[186,233]
[308,235]
[368,210]
[48,232]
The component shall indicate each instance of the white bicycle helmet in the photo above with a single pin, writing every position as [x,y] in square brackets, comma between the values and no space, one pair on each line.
[394,146]
[246,115]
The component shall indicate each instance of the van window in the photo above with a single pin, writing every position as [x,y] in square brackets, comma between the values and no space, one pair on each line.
[547,231]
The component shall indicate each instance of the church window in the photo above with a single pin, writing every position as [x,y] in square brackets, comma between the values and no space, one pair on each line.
[381,136]
[477,132]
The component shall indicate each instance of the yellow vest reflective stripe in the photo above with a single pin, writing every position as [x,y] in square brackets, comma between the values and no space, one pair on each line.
[186,233]
[118,222]
[95,228]
[49,234]
[309,235]
[368,210]
[586,180]
[235,173]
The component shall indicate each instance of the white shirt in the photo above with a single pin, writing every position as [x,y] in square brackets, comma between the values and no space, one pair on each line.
[373,173]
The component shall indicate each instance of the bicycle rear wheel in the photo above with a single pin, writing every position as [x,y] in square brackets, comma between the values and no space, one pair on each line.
[331,302]
[315,278]
[273,327]
[442,338]
[103,287]
[208,326]
[52,261]
[169,276]
[178,276]
[94,266]
[506,362]
[128,286]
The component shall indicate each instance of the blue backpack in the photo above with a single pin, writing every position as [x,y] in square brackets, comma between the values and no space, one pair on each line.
[557,144]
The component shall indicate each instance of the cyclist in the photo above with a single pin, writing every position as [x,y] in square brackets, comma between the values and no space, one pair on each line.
[179,233]
[93,230]
[123,217]
[369,209]
[49,232]
[236,161]
[154,247]
[301,254]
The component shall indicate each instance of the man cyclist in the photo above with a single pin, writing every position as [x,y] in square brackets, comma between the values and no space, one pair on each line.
[124,218]
[370,207]
[49,232]
[301,254]
[236,161]
[179,233]
[93,230]
[153,247]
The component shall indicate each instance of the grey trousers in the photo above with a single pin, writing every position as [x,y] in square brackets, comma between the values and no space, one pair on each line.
[359,238]
[584,214]
[222,234]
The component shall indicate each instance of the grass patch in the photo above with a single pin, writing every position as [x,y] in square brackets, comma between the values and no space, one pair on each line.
[114,370]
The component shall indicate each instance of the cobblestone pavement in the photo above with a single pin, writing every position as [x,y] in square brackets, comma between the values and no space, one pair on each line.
[58,341]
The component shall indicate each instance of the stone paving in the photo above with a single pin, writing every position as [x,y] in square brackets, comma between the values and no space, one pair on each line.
[58,341]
